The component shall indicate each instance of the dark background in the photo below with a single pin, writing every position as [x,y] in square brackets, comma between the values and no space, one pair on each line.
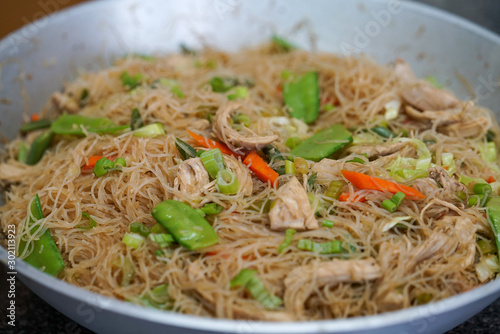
[33,315]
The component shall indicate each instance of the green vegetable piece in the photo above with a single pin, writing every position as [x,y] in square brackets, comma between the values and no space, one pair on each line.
[335,189]
[389,205]
[163,239]
[289,233]
[142,229]
[36,125]
[358,160]
[329,247]
[242,119]
[312,179]
[22,152]
[227,183]
[92,222]
[323,143]
[103,166]
[120,161]
[486,246]
[212,209]
[433,81]
[289,167]
[133,240]
[45,255]
[272,153]
[38,147]
[328,107]
[128,272]
[158,229]
[72,125]
[490,135]
[493,206]
[185,50]
[483,190]
[84,97]
[129,81]
[186,225]
[293,142]
[238,92]
[302,97]
[423,298]
[187,151]
[158,298]
[135,120]
[281,45]
[150,131]
[248,279]
[327,223]
[222,85]
[213,161]
[383,132]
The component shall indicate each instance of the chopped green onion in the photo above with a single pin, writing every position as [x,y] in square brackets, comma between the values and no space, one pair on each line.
[162,239]
[36,125]
[159,252]
[227,183]
[327,223]
[104,165]
[158,229]
[433,81]
[238,92]
[133,240]
[289,167]
[393,204]
[128,272]
[212,208]
[491,151]
[247,278]
[92,222]
[487,267]
[158,298]
[130,81]
[84,97]
[475,199]
[186,150]
[242,119]
[328,107]
[335,189]
[22,152]
[329,247]
[222,85]
[462,196]
[466,180]
[490,135]
[312,179]
[272,153]
[139,228]
[135,120]
[213,161]
[289,233]
[292,142]
[149,131]
[486,246]
[383,132]
[281,45]
[392,110]
[301,165]
[483,190]
[423,298]
[121,161]
[358,160]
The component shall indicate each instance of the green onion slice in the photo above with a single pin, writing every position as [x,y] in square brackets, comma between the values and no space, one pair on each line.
[227,183]
[213,161]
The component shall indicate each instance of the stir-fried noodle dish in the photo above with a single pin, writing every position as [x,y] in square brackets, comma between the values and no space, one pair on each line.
[270,184]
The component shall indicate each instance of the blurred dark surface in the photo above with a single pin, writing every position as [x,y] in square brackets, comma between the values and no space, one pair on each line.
[33,315]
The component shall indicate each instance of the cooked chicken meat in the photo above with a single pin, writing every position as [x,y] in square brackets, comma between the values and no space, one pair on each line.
[192,177]
[292,209]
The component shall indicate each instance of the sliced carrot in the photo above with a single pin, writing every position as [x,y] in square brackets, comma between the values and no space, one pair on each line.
[35,117]
[491,179]
[344,197]
[260,168]
[92,161]
[209,143]
[363,181]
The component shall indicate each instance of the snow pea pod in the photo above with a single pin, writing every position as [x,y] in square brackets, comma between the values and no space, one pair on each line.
[185,224]
[45,255]
[38,147]
[493,206]
[72,125]
[301,95]
[323,144]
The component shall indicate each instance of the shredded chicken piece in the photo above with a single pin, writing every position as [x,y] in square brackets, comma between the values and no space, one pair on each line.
[438,243]
[420,93]
[474,128]
[232,138]
[242,174]
[327,169]
[442,117]
[440,175]
[195,274]
[191,177]
[378,150]
[292,209]
[334,272]
[64,103]
[465,231]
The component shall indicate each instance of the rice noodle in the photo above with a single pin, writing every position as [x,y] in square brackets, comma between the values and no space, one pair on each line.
[359,89]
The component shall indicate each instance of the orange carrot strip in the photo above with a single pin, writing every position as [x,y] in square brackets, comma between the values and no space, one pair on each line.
[363,181]
[35,117]
[92,161]
[209,143]
[344,197]
[260,168]
[491,179]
